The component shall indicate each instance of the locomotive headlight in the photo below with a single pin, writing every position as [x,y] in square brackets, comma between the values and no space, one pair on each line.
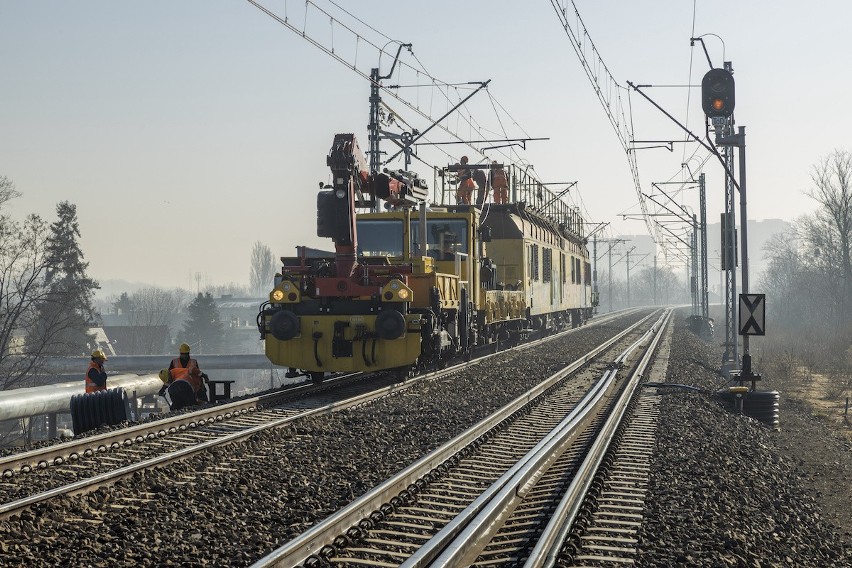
[340,193]
[285,293]
[396,291]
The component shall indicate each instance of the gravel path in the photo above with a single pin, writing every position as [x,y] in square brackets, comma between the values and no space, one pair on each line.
[728,491]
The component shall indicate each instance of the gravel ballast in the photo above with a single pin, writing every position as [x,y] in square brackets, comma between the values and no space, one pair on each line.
[232,505]
[725,490]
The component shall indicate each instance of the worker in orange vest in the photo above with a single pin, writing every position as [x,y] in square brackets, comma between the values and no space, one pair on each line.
[464,192]
[500,183]
[96,375]
[181,390]
[184,369]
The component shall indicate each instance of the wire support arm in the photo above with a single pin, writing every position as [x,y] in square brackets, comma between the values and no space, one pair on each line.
[709,147]
[436,122]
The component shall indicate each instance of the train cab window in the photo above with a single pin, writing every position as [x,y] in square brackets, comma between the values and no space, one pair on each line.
[379,237]
[444,237]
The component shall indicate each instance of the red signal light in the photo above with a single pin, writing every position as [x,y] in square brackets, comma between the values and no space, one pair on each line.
[717,93]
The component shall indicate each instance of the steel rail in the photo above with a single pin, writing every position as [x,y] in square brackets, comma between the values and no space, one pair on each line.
[463,538]
[58,454]
[312,541]
[546,550]
[216,414]
[108,478]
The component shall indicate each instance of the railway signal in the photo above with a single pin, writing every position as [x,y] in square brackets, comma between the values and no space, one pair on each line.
[717,93]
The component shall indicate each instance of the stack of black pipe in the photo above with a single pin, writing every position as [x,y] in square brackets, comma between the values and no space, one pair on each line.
[760,405]
[93,410]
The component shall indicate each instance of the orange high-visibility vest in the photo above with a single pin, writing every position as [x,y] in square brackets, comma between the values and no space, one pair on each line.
[90,385]
[181,373]
[498,179]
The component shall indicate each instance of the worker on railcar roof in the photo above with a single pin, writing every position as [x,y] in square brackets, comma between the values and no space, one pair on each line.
[464,192]
[499,183]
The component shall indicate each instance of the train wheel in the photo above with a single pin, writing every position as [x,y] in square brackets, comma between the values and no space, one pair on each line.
[316,377]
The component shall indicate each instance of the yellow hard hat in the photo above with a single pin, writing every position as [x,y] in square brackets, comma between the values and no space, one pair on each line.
[184,348]
[98,354]
[165,375]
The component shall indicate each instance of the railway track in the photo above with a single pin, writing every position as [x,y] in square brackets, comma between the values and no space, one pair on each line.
[86,464]
[484,496]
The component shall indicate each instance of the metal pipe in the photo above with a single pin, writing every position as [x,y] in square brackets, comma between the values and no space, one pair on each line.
[746,363]
[56,399]
[150,363]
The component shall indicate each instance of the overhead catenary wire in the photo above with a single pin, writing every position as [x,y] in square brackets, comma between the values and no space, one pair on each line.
[689,77]
[609,95]
[407,68]
[303,33]
[607,90]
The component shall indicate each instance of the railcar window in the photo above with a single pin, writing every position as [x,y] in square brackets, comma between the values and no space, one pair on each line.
[535,262]
[547,268]
[444,237]
[379,237]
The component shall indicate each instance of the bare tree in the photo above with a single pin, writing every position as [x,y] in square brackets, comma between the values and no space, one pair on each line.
[784,279]
[7,191]
[155,307]
[661,285]
[229,289]
[23,265]
[828,232]
[262,269]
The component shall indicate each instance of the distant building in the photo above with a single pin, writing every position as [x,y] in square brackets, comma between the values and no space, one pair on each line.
[17,343]
[138,339]
[239,316]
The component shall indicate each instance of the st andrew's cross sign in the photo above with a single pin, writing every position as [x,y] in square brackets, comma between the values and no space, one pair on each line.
[752,314]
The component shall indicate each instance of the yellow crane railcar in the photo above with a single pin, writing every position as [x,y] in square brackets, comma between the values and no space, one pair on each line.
[413,285]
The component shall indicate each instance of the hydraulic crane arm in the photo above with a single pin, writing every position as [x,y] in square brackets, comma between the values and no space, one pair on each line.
[353,186]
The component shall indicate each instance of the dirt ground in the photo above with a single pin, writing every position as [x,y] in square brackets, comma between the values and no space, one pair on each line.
[818,393]
[816,435]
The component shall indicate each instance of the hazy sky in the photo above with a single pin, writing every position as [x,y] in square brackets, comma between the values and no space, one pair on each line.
[186,131]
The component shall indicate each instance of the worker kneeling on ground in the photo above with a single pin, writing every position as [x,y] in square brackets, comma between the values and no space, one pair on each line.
[185,387]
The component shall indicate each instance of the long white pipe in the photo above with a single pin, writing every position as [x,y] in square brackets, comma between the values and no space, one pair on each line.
[153,363]
[53,399]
